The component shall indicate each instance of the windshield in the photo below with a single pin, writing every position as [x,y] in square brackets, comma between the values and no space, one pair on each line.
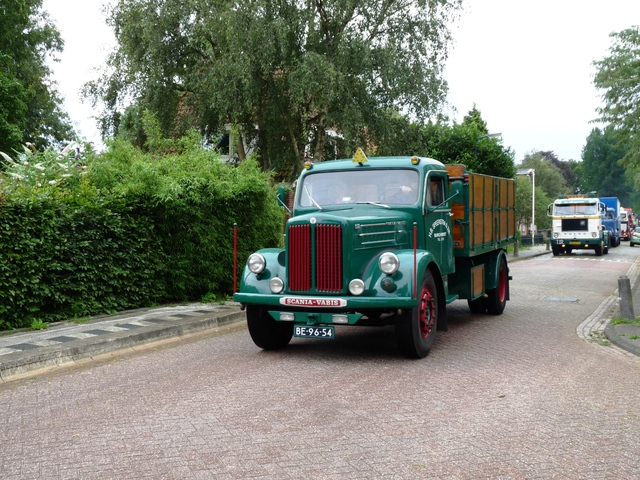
[390,186]
[577,209]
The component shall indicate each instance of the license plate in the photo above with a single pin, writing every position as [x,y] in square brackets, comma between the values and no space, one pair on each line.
[574,243]
[314,332]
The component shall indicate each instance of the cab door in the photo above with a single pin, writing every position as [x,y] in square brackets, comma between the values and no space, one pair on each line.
[437,219]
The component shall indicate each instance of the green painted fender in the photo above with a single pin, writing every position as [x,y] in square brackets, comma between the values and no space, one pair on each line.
[275,260]
[492,268]
[403,279]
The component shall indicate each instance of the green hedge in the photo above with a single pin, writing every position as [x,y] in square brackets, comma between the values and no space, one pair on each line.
[63,259]
[128,229]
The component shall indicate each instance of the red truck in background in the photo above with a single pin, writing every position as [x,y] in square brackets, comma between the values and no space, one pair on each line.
[626,223]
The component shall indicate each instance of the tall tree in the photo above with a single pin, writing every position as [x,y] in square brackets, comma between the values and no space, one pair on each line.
[285,72]
[548,176]
[618,75]
[524,200]
[30,105]
[602,171]
[466,143]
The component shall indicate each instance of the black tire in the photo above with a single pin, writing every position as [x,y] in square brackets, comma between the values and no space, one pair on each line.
[606,250]
[556,250]
[598,250]
[479,305]
[630,244]
[416,327]
[265,332]
[497,297]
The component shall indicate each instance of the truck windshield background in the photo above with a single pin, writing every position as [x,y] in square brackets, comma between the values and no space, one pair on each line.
[389,186]
[577,209]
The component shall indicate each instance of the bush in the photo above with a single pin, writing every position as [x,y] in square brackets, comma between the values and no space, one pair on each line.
[126,230]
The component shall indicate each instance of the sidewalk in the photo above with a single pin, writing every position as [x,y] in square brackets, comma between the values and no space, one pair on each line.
[627,336]
[63,343]
[67,342]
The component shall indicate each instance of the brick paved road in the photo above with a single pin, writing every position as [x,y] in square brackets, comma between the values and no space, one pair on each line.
[515,396]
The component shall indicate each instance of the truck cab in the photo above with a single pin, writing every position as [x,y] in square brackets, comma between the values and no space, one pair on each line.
[577,223]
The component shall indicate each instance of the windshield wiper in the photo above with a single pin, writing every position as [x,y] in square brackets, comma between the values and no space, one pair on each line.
[375,203]
[433,209]
[312,200]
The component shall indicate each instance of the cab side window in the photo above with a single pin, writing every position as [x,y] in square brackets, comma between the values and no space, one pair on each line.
[436,191]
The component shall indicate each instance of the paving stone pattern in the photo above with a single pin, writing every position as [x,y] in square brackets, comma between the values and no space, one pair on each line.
[516,396]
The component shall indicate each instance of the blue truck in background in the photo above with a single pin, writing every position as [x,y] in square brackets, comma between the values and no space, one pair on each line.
[611,218]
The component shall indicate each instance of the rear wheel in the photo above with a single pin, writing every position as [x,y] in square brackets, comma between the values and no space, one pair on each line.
[479,305]
[497,297]
[265,332]
[416,327]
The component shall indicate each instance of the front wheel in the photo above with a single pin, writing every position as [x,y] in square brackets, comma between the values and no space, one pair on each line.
[416,327]
[265,332]
[497,297]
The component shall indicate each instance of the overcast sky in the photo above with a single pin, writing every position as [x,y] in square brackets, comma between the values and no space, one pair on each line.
[527,65]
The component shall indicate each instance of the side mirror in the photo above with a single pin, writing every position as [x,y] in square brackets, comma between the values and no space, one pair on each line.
[281,195]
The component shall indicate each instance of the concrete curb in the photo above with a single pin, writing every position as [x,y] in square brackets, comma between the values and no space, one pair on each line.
[621,336]
[20,364]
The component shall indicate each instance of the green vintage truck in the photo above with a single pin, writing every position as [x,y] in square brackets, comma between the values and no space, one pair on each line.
[379,241]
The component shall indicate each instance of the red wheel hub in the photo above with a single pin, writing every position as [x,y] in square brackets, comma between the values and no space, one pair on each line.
[427,312]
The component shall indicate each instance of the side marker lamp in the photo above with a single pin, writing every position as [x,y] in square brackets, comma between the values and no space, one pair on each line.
[276,285]
[340,319]
[356,287]
[388,285]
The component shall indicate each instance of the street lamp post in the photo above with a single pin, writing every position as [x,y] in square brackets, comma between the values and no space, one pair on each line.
[475,148]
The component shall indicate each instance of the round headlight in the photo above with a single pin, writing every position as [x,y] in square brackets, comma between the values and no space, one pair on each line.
[256,263]
[356,286]
[389,263]
[276,285]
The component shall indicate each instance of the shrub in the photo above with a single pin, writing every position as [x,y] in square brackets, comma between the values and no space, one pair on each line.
[126,229]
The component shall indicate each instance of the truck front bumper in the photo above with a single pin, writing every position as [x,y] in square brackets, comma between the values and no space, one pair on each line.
[577,242]
[312,310]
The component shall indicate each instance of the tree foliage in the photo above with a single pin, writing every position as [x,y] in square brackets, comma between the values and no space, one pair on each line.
[602,171]
[524,199]
[618,75]
[285,73]
[30,108]
[467,143]
[549,176]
